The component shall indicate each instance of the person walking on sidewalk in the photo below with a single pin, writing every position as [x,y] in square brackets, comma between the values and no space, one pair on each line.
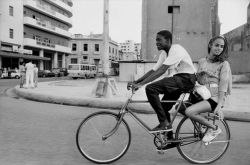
[22,73]
[214,72]
[35,75]
[176,60]
[29,75]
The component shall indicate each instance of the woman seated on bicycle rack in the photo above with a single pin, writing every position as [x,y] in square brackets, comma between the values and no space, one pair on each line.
[175,58]
[217,78]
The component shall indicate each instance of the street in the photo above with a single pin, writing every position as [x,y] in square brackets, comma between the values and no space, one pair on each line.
[34,133]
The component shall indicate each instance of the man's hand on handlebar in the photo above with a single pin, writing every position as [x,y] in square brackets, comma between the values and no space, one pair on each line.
[133,85]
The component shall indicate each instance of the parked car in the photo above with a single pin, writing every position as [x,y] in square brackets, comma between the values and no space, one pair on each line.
[59,72]
[64,71]
[56,71]
[11,74]
[45,73]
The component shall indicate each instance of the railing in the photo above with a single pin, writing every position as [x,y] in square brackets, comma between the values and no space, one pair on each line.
[39,42]
[45,8]
[45,24]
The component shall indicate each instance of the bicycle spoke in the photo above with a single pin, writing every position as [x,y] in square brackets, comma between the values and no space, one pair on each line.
[90,140]
[198,151]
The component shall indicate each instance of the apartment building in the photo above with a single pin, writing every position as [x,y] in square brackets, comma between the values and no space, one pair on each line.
[131,50]
[89,49]
[36,30]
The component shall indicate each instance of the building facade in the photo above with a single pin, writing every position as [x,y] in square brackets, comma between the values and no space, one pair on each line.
[192,23]
[239,38]
[239,47]
[88,49]
[131,50]
[36,30]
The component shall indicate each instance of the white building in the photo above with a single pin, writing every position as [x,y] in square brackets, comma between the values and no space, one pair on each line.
[36,30]
[89,49]
[131,50]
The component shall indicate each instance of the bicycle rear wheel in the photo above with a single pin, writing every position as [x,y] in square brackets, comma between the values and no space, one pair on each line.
[193,149]
[92,145]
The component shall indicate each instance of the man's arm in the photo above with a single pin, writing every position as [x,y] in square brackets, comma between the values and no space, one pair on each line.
[144,76]
[155,74]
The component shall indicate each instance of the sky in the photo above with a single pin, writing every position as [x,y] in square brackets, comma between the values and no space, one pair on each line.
[125,17]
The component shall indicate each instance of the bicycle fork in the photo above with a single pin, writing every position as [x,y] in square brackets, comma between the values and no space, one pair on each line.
[119,120]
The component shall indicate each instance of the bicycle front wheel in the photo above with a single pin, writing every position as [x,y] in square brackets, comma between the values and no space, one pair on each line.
[193,149]
[91,140]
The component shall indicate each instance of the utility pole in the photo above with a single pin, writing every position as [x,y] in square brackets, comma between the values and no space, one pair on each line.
[105,85]
[105,57]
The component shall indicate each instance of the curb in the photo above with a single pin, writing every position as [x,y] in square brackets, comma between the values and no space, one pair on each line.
[110,104]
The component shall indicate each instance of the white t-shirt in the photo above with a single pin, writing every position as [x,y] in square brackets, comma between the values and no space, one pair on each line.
[29,67]
[178,59]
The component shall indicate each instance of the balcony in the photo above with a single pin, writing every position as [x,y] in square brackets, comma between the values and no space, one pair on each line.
[61,5]
[44,45]
[46,26]
[47,11]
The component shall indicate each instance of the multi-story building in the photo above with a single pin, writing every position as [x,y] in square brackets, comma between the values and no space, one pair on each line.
[131,50]
[192,22]
[89,49]
[36,30]
[239,38]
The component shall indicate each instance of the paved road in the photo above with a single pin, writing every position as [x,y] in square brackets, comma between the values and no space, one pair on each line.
[34,133]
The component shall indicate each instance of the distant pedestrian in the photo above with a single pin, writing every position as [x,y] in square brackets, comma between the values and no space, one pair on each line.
[35,75]
[22,73]
[29,75]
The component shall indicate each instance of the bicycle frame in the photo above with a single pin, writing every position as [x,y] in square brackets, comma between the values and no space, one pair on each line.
[188,135]
[124,110]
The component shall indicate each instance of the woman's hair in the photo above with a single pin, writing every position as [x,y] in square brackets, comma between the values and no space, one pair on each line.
[224,54]
[166,34]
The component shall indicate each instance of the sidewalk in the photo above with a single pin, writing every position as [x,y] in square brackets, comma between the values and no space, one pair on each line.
[79,93]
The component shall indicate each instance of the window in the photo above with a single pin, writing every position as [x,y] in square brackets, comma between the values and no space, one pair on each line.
[11,31]
[96,47]
[60,61]
[85,47]
[11,10]
[85,57]
[73,47]
[174,9]
[73,60]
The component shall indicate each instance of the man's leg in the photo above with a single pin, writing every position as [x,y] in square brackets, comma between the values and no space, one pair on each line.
[164,86]
[168,106]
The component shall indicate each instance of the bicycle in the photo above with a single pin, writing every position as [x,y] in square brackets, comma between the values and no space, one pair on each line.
[108,130]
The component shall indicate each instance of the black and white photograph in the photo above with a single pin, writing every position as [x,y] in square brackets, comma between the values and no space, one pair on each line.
[124,82]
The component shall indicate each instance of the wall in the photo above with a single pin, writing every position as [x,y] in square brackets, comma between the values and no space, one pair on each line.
[132,70]
[14,22]
[239,62]
[192,25]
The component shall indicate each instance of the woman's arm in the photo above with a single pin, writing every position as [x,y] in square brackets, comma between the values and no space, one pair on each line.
[223,86]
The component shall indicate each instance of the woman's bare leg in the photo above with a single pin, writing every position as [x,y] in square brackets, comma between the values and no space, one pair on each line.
[194,111]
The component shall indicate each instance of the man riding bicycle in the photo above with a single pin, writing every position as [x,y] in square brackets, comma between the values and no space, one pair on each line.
[176,60]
